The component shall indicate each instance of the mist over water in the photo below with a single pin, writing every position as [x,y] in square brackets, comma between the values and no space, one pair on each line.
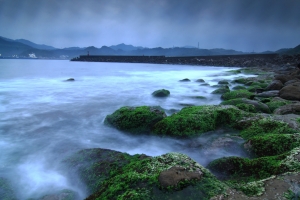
[44,119]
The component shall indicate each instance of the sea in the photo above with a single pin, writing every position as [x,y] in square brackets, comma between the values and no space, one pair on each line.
[45,119]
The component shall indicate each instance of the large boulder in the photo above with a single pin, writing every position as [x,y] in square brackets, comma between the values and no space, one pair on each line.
[135,119]
[274,85]
[253,106]
[290,92]
[196,120]
[284,78]
[161,93]
[162,177]
[288,109]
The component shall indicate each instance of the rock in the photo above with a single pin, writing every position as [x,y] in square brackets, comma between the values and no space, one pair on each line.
[185,80]
[290,92]
[276,102]
[274,85]
[135,119]
[237,94]
[200,80]
[223,82]
[288,109]
[171,177]
[267,94]
[221,90]
[196,120]
[284,78]
[258,106]
[161,93]
[183,178]
[70,79]
[204,84]
[292,81]
[239,87]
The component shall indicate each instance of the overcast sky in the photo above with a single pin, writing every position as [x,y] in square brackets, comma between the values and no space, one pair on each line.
[246,25]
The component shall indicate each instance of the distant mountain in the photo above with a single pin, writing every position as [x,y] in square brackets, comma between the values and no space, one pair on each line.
[34,45]
[295,50]
[10,47]
[125,47]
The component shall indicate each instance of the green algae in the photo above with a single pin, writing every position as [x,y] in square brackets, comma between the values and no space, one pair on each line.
[237,94]
[273,144]
[247,105]
[266,126]
[195,120]
[161,93]
[139,180]
[135,119]
[275,103]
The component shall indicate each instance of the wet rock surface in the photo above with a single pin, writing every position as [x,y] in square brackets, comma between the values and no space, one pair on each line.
[174,175]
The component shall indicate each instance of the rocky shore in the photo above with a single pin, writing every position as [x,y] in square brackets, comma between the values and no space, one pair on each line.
[264,110]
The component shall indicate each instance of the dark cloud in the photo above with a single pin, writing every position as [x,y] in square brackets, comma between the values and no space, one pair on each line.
[238,24]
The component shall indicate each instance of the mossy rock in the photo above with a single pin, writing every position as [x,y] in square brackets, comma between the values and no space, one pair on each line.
[237,94]
[223,82]
[94,165]
[139,180]
[6,191]
[241,80]
[266,126]
[221,90]
[239,87]
[276,103]
[244,168]
[196,120]
[272,144]
[135,119]
[161,93]
[248,105]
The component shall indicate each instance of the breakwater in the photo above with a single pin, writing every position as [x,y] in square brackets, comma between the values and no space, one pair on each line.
[243,60]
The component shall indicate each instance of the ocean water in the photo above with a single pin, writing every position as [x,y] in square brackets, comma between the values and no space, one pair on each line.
[44,119]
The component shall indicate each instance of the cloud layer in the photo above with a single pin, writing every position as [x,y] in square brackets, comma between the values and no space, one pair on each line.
[234,24]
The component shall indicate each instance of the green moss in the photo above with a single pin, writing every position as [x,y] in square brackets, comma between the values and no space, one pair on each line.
[244,169]
[266,126]
[247,105]
[273,144]
[221,90]
[241,80]
[198,119]
[95,165]
[237,94]
[239,87]
[135,119]
[274,104]
[139,180]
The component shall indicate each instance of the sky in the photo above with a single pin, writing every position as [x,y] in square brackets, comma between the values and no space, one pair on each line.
[244,25]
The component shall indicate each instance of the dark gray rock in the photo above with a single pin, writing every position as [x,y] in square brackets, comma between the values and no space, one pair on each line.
[271,93]
[274,85]
[288,109]
[290,92]
[292,81]
[161,93]
[185,80]
[70,80]
[200,80]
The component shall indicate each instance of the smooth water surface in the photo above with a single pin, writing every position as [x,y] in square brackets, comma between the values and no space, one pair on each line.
[44,119]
